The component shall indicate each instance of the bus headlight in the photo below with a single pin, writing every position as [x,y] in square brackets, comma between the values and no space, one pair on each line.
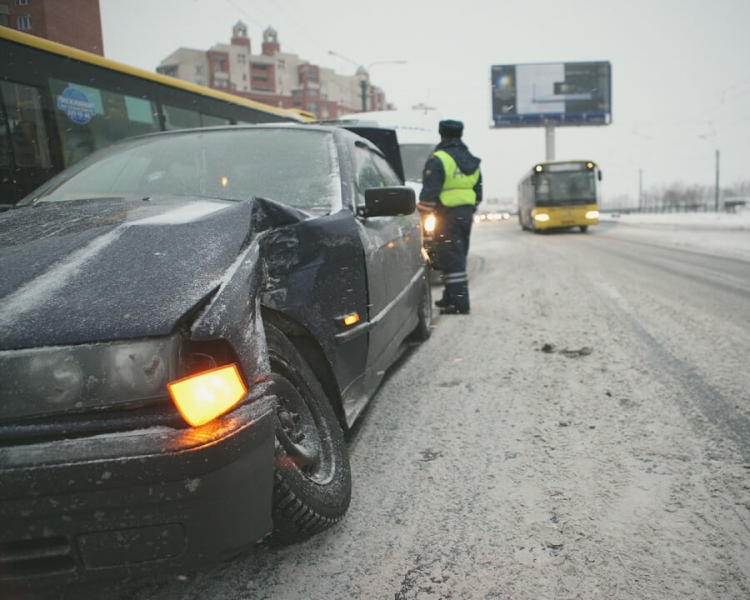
[542,217]
[429,223]
[592,214]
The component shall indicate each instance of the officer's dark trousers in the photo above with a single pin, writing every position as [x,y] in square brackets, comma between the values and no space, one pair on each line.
[453,230]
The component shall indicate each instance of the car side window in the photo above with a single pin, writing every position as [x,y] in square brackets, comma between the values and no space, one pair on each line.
[368,174]
[389,176]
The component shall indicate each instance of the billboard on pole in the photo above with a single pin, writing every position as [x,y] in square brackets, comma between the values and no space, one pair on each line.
[556,94]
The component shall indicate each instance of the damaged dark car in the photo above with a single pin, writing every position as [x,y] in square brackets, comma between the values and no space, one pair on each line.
[189,321]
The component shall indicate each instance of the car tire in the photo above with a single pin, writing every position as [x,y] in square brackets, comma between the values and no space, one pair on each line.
[312,475]
[584,228]
[423,330]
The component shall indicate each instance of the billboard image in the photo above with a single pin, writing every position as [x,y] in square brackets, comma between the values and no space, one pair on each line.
[556,94]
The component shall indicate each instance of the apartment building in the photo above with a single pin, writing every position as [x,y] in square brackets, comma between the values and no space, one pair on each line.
[274,77]
[75,23]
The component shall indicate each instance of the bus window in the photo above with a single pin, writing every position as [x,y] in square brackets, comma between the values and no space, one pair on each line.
[6,148]
[25,143]
[90,118]
[180,118]
[211,121]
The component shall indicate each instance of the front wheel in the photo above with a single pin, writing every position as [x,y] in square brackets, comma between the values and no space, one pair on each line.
[584,228]
[312,478]
[423,329]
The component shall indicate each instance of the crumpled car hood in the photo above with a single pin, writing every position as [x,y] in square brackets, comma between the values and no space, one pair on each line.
[97,270]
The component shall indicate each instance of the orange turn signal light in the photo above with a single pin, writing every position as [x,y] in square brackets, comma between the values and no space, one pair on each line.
[203,397]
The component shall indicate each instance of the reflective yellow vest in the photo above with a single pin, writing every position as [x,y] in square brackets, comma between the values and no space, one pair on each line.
[458,188]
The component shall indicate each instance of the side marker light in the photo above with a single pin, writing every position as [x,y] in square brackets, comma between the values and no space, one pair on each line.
[351,319]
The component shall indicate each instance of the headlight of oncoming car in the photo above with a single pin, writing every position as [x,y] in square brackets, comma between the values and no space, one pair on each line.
[592,214]
[42,381]
[541,217]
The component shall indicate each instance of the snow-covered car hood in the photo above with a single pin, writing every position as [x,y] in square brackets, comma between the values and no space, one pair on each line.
[96,270]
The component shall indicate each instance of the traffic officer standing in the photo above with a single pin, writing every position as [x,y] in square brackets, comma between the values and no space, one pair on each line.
[452,188]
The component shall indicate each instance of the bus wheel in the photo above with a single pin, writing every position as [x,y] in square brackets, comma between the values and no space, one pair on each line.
[584,228]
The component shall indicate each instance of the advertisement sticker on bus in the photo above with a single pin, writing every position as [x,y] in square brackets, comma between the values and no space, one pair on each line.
[76,105]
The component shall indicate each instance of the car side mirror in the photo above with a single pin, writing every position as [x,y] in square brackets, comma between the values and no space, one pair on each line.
[388,202]
[600,175]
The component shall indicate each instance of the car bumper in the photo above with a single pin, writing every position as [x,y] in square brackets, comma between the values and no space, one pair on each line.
[145,502]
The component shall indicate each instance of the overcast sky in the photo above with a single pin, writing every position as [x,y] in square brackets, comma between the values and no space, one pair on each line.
[680,70]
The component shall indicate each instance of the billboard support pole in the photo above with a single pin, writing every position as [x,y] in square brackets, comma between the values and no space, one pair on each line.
[550,138]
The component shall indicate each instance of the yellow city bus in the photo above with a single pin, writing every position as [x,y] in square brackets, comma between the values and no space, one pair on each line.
[560,194]
[58,104]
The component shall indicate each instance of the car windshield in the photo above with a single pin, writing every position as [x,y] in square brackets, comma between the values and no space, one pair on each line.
[290,166]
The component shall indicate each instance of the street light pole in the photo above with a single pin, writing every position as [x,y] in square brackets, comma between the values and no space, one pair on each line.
[640,190]
[365,75]
[716,191]
[363,88]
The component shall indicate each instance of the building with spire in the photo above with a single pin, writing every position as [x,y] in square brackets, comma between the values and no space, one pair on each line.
[274,77]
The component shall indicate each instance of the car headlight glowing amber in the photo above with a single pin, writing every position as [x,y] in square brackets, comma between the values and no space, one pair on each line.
[203,397]
[592,214]
[541,217]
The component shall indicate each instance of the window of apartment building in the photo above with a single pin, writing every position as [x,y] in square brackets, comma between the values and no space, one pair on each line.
[23,22]
[312,107]
[244,77]
[220,65]
[221,83]
[297,93]
[241,58]
[4,15]
[324,113]
[199,69]
[312,92]
[200,82]
[282,63]
[22,2]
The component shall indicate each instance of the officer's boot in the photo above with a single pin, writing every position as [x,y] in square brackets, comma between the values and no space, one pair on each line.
[444,301]
[458,299]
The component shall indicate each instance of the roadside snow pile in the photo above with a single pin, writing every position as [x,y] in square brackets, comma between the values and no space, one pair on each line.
[697,220]
[722,234]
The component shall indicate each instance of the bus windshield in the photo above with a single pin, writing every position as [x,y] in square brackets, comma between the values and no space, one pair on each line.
[565,188]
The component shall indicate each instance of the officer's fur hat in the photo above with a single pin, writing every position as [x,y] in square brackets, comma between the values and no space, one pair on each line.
[451,129]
